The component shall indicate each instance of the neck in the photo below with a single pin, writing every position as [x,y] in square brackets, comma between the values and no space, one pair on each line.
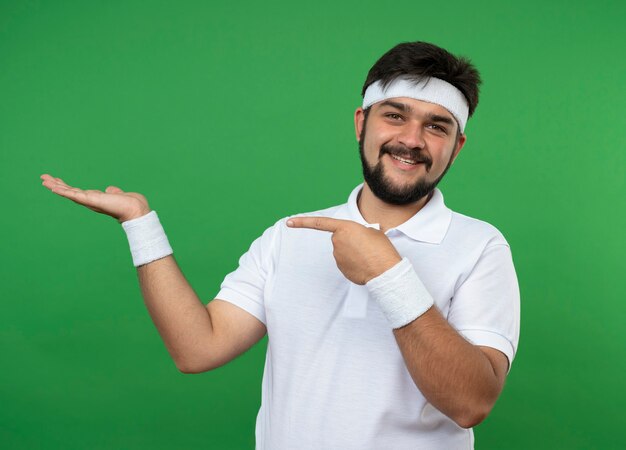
[374,210]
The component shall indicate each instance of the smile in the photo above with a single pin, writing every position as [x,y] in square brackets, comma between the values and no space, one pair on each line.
[405,161]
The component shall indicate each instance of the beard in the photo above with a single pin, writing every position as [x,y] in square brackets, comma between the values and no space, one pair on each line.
[382,186]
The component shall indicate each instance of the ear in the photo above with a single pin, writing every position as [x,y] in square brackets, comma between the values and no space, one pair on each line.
[359,118]
[459,146]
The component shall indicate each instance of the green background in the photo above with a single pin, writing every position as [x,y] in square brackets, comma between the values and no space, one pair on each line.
[230,115]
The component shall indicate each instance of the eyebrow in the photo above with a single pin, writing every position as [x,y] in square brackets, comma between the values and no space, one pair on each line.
[401,106]
[441,119]
[438,118]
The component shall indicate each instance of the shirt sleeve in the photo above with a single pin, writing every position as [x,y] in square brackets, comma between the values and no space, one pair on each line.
[245,287]
[485,308]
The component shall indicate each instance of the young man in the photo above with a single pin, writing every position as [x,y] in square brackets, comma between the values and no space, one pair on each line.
[392,321]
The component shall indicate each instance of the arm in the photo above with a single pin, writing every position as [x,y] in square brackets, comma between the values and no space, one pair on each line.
[484,311]
[460,379]
[198,338]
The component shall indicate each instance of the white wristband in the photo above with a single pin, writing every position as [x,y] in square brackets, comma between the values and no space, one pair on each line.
[147,239]
[400,294]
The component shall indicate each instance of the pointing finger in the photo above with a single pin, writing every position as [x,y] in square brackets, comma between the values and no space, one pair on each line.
[316,223]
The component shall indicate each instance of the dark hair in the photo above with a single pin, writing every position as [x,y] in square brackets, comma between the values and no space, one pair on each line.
[421,59]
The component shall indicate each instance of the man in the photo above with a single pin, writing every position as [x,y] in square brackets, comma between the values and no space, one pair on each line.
[392,321]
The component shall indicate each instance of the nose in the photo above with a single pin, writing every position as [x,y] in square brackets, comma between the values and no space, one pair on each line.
[411,135]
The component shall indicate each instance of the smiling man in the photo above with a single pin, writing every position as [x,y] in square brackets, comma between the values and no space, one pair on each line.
[392,320]
[406,117]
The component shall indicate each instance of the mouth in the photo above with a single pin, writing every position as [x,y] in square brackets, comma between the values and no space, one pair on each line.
[403,163]
[404,160]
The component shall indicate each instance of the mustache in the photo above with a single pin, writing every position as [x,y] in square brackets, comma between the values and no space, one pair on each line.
[406,153]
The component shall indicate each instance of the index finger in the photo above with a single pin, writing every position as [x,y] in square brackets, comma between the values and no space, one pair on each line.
[316,223]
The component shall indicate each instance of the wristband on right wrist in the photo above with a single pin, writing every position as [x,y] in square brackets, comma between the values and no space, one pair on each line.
[147,239]
[400,294]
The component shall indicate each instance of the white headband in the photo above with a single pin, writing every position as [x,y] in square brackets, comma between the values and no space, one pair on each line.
[432,90]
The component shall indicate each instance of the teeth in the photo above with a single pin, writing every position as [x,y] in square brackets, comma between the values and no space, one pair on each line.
[406,161]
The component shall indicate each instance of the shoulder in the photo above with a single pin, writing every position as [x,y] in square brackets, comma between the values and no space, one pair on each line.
[279,229]
[469,228]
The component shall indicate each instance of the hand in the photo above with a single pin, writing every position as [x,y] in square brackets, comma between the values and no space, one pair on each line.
[113,201]
[361,253]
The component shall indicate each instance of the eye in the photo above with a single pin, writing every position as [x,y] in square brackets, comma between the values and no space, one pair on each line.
[437,128]
[393,116]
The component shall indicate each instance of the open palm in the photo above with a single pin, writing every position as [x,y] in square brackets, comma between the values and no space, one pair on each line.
[113,201]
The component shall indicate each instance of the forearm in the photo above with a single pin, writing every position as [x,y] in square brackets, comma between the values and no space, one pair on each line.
[454,375]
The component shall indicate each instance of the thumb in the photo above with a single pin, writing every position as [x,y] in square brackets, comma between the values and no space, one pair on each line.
[113,190]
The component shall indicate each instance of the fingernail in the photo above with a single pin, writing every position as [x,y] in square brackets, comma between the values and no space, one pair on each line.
[290,223]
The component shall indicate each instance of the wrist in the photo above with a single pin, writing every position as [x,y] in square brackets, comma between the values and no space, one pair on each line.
[135,215]
[147,239]
[382,267]
[400,293]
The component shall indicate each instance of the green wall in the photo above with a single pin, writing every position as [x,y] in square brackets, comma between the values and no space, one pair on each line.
[229,116]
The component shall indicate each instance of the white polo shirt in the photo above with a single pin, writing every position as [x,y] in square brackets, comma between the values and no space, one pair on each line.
[334,376]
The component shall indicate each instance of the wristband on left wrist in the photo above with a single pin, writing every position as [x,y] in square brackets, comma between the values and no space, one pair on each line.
[400,294]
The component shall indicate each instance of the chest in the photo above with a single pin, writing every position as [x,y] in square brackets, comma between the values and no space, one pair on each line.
[307,287]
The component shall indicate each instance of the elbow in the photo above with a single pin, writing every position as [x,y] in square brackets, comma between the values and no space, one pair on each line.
[192,367]
[189,369]
[472,416]
[474,411]
[470,420]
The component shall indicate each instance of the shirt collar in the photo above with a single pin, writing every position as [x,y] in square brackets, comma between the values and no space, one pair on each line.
[430,224]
